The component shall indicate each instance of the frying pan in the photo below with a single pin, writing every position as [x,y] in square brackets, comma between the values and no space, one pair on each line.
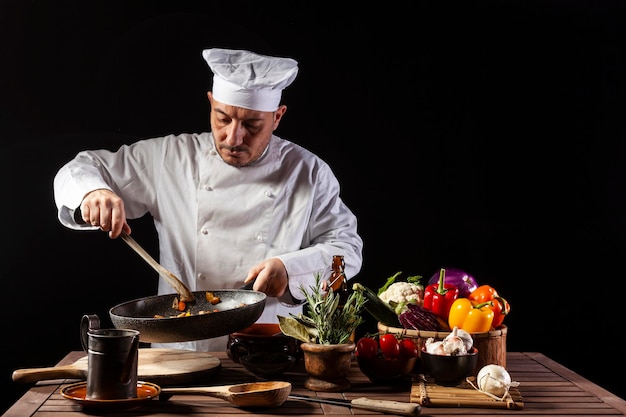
[237,310]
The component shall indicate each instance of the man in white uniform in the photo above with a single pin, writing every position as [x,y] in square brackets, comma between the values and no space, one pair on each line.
[230,206]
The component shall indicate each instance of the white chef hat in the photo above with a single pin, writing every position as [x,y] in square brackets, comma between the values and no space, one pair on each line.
[249,80]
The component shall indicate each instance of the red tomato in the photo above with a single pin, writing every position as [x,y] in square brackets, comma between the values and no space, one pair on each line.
[367,347]
[389,345]
[408,348]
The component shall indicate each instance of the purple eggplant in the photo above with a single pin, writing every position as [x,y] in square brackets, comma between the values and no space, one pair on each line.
[461,279]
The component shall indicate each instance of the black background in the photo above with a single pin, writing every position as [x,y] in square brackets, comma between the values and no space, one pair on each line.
[488,136]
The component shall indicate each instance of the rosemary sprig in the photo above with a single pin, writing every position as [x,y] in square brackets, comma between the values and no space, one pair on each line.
[325,322]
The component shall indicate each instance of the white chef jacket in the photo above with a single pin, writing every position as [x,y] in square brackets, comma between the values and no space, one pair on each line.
[215,221]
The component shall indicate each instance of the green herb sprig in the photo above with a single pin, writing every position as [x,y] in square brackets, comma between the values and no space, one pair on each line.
[324,322]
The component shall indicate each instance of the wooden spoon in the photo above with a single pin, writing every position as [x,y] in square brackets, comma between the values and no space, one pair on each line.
[173,280]
[253,394]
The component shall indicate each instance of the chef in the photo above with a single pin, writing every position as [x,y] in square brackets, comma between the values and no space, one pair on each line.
[230,206]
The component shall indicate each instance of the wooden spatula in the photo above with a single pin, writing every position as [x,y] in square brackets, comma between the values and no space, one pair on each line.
[182,290]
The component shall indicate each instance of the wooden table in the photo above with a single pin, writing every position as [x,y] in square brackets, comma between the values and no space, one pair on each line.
[547,389]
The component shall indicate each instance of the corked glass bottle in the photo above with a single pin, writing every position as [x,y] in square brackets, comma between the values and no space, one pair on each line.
[338,280]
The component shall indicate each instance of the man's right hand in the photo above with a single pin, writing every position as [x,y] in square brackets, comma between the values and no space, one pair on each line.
[105,209]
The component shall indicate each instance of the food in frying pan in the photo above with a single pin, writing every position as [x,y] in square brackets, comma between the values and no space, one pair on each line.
[181,306]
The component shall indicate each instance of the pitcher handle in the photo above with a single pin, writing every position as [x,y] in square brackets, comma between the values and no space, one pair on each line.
[88,322]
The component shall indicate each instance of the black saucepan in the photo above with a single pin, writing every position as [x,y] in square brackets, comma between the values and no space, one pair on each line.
[237,310]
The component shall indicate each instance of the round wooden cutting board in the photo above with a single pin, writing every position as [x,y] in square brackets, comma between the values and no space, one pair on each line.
[157,365]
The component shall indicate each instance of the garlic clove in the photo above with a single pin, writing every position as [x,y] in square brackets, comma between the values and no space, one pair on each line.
[435,348]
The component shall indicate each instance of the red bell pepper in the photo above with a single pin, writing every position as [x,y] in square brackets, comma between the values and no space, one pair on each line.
[499,305]
[439,297]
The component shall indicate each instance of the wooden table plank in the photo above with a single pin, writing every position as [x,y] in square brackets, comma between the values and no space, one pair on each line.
[547,389]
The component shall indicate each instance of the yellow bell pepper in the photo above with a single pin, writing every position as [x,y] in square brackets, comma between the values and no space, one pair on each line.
[470,316]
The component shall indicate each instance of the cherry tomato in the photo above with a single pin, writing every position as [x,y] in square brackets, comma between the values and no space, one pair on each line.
[389,345]
[408,348]
[367,347]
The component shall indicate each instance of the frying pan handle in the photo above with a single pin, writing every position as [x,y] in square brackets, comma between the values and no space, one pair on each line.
[88,322]
[248,286]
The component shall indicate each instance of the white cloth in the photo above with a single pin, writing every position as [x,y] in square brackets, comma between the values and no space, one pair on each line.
[215,221]
[246,79]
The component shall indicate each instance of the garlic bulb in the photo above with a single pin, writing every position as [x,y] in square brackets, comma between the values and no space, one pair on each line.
[467,338]
[434,347]
[458,342]
[495,380]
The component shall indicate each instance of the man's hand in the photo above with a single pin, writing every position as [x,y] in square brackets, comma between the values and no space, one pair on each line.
[105,209]
[270,277]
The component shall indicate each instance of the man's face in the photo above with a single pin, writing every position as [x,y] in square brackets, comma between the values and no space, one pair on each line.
[241,135]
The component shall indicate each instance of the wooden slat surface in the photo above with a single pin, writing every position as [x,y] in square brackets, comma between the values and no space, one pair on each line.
[547,389]
[426,392]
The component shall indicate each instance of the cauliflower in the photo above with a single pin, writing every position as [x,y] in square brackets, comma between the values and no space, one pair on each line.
[401,293]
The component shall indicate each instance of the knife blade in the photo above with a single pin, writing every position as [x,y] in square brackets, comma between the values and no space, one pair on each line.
[363,403]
